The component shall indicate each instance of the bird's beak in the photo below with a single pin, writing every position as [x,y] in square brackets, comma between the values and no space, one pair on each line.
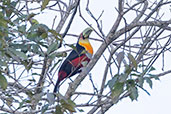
[87,32]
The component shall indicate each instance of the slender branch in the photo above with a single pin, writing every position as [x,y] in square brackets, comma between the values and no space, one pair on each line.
[110,37]
[163,73]
[64,18]
[70,22]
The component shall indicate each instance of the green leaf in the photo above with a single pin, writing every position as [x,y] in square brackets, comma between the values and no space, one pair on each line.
[22,28]
[133,93]
[52,56]
[33,36]
[132,89]
[23,47]
[50,98]
[127,69]
[34,21]
[32,80]
[2,63]
[28,101]
[30,94]
[132,60]
[112,82]
[135,74]
[10,8]
[123,77]
[120,57]
[3,82]
[141,81]
[9,100]
[3,23]
[54,33]
[42,29]
[35,48]
[18,54]
[80,110]
[27,64]
[141,65]
[14,3]
[61,54]
[117,90]
[152,69]
[44,4]
[70,102]
[52,48]
[44,35]
[6,2]
[58,110]
[36,74]
[71,46]
[21,105]
[148,80]
[33,28]
[68,105]
[130,82]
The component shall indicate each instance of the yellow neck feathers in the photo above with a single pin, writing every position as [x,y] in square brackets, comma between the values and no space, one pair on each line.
[86,44]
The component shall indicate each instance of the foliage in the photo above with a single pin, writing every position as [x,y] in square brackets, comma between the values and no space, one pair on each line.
[131,79]
[30,54]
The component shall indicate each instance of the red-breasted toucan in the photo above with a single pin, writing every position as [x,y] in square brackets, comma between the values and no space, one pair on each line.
[77,59]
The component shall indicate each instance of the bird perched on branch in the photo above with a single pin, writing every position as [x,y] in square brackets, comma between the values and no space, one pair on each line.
[77,59]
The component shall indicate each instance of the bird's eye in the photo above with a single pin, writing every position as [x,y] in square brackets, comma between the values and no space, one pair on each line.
[82,36]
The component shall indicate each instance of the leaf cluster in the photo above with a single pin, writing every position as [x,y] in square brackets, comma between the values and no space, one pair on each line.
[133,77]
[22,38]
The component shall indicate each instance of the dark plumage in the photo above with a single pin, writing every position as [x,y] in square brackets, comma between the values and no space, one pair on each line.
[77,59]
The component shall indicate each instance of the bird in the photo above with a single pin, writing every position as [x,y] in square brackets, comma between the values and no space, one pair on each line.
[78,58]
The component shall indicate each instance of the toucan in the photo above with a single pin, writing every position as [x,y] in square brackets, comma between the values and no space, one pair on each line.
[77,59]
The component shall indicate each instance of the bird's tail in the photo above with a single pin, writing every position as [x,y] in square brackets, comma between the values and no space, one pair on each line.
[61,76]
[56,86]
